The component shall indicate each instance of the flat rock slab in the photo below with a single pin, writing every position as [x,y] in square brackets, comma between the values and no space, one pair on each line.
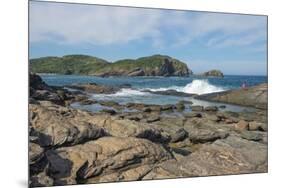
[59,126]
[255,96]
[232,155]
[108,155]
[128,128]
[94,88]
[171,92]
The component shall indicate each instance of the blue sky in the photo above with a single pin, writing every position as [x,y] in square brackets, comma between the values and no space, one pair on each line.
[235,44]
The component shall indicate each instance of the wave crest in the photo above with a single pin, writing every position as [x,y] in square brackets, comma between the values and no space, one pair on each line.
[195,87]
[128,92]
[201,87]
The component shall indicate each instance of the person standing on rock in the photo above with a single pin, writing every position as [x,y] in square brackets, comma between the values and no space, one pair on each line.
[243,85]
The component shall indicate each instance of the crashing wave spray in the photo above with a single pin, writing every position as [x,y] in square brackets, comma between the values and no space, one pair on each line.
[201,87]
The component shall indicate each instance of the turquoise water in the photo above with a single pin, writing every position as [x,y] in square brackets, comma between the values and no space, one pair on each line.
[137,92]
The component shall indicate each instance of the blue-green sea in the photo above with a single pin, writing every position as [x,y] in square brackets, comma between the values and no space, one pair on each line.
[136,94]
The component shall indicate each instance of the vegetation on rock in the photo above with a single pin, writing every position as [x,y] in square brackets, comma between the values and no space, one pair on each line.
[214,73]
[156,65]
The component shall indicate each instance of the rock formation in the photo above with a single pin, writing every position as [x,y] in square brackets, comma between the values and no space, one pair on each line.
[71,146]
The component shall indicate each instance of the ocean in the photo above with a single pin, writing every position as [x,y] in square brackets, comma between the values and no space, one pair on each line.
[136,94]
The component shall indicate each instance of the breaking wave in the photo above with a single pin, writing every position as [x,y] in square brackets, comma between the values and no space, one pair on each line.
[201,87]
[195,87]
[128,92]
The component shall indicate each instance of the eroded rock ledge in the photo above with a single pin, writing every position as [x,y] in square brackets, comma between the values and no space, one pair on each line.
[255,96]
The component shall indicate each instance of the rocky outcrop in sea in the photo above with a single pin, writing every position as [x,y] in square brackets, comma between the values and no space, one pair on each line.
[255,96]
[213,73]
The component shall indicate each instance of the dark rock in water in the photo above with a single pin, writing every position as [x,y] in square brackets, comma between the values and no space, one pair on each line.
[252,135]
[36,82]
[47,95]
[213,73]
[211,108]
[197,108]
[255,96]
[108,103]
[95,88]
[187,102]
[170,92]
[109,111]
[222,106]
[125,86]
[167,107]
[179,135]
[138,106]
[88,102]
[39,90]
[180,106]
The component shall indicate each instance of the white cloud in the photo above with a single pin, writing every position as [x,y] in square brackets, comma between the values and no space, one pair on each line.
[102,25]
[223,30]
[91,24]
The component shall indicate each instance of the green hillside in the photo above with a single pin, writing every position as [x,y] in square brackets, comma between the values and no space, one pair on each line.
[70,64]
[156,65]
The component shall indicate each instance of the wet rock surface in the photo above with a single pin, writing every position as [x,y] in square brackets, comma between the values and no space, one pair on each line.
[255,96]
[94,88]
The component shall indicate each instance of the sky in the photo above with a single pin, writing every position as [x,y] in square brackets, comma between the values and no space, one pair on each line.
[233,43]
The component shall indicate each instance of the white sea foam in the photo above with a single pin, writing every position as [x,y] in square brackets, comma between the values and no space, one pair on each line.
[195,87]
[125,92]
[128,92]
[201,87]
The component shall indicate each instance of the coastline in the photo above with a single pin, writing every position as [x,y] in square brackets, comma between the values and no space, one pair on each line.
[147,141]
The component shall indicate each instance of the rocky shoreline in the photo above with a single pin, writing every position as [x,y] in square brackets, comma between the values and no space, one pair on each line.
[155,65]
[72,146]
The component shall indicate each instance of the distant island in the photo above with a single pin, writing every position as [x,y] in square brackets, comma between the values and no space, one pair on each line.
[213,73]
[155,65]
